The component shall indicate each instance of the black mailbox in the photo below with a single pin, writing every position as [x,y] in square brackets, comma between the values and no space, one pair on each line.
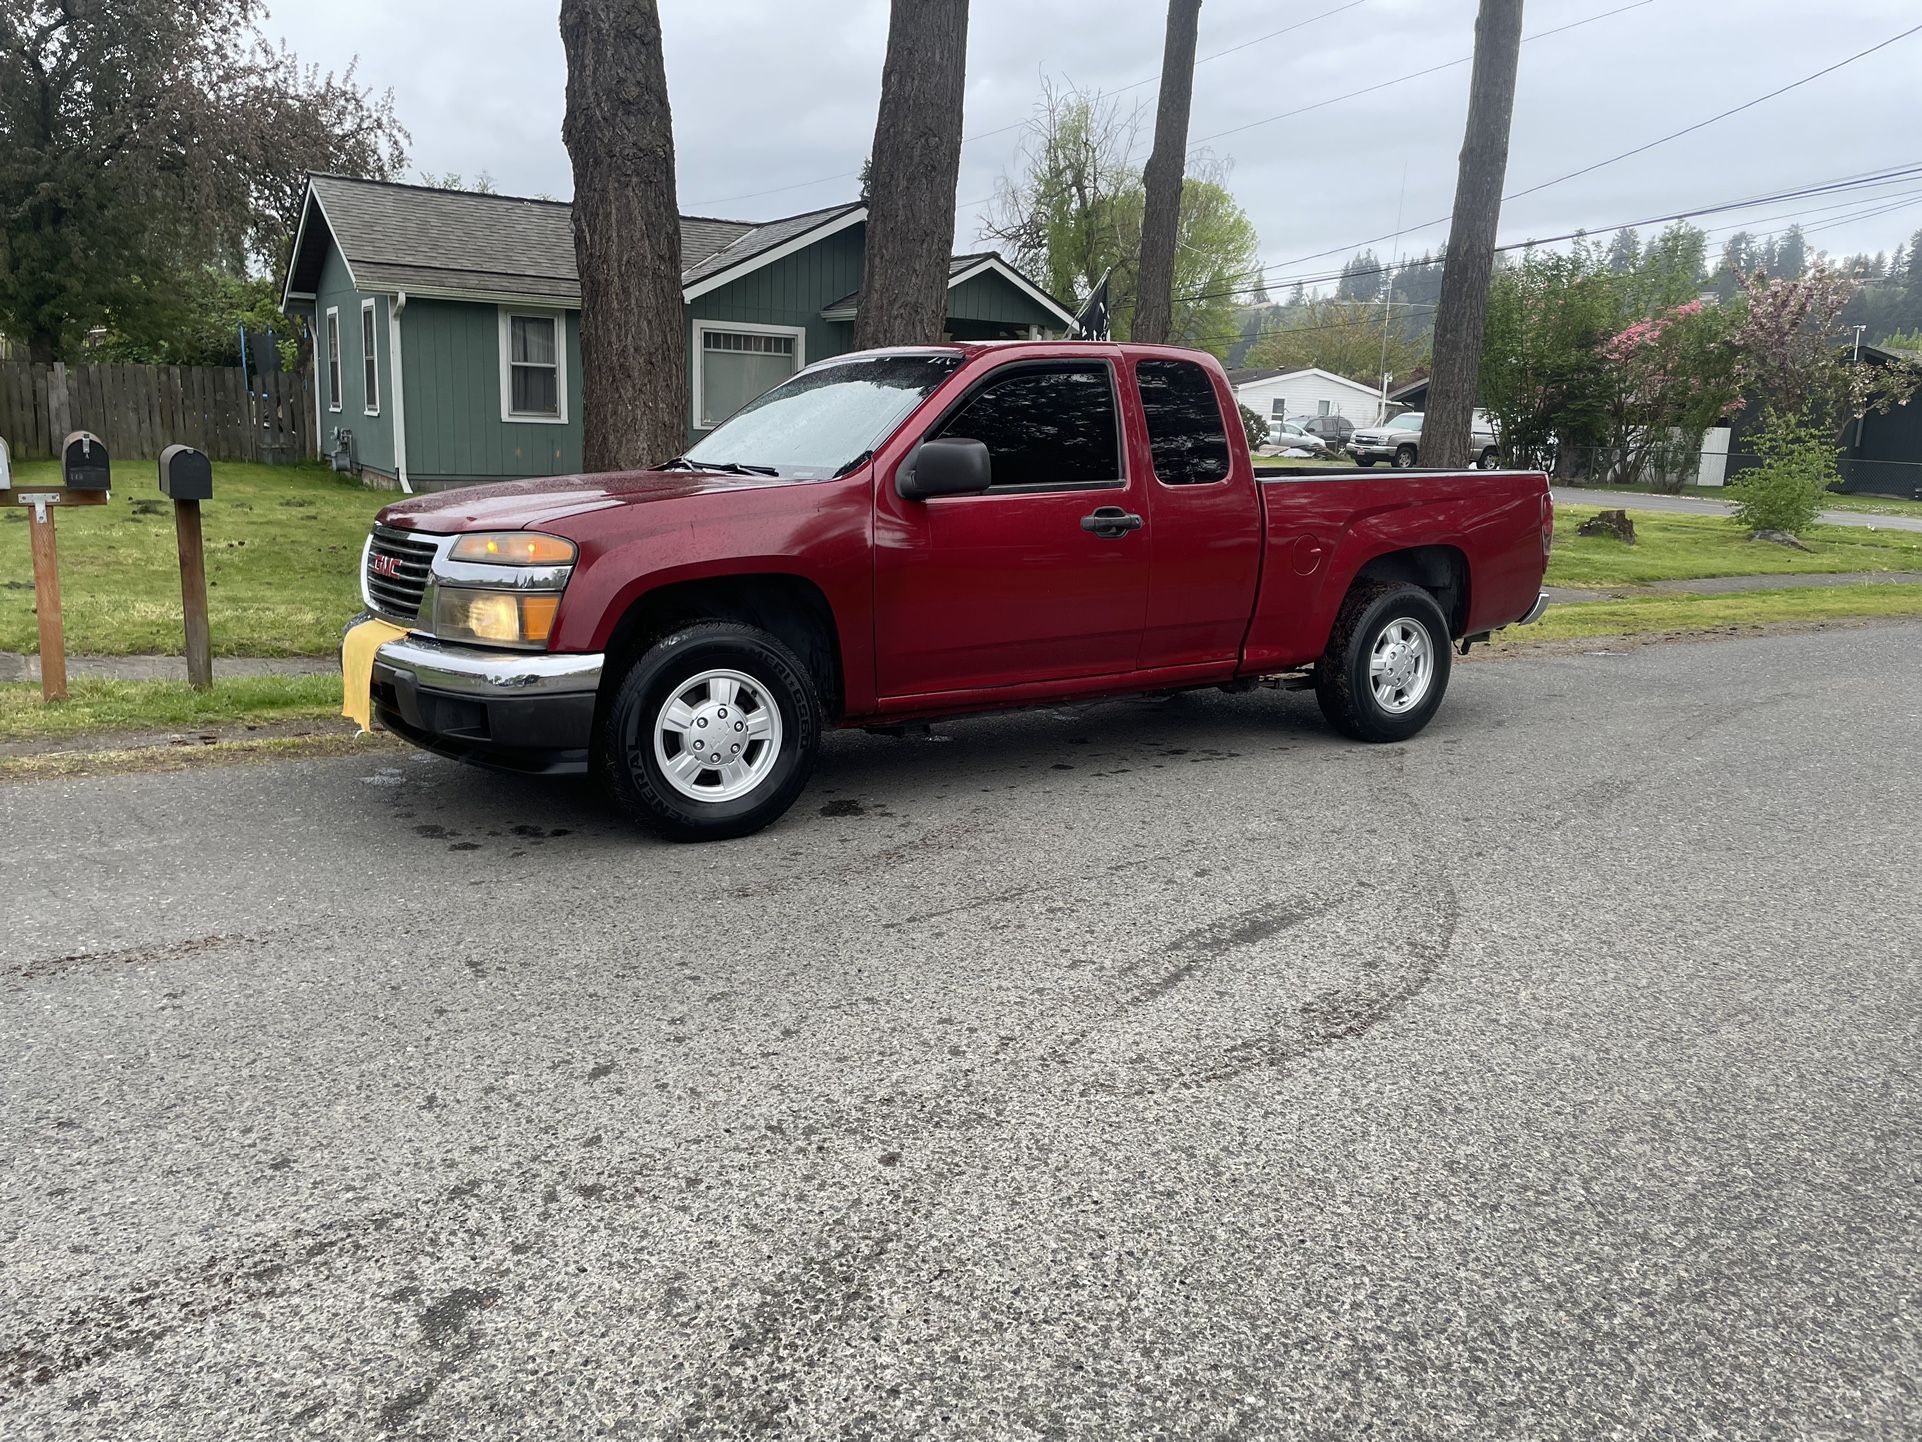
[83,463]
[186,474]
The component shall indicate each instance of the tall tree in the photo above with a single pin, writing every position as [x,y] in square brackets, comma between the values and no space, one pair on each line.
[142,139]
[1161,182]
[916,160]
[1073,215]
[627,235]
[1462,311]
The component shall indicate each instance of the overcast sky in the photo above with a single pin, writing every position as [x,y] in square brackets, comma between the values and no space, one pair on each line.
[768,93]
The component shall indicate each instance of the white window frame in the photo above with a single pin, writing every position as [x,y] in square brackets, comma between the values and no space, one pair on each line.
[1324,408]
[508,313]
[334,377]
[370,359]
[1278,408]
[736,327]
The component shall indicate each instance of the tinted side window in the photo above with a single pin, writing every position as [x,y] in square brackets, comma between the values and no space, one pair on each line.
[1185,432]
[1046,427]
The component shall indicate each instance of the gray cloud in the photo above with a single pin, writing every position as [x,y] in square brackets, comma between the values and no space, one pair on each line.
[772,99]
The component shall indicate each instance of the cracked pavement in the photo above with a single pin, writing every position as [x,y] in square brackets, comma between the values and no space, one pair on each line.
[1149,1068]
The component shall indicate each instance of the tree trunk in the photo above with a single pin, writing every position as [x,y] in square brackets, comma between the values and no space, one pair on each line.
[627,235]
[43,347]
[1463,308]
[1154,316]
[915,164]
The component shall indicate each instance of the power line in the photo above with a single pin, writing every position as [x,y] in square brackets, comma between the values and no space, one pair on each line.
[1412,75]
[1029,120]
[1266,278]
[1831,187]
[1637,150]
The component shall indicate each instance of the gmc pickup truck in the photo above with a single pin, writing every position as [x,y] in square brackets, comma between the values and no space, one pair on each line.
[898,535]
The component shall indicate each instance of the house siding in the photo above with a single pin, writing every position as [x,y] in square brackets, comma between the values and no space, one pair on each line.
[992,299]
[373,435]
[789,292]
[1304,391]
[453,399]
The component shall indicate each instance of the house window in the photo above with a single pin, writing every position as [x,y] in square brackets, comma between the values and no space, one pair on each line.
[333,358]
[369,360]
[1322,408]
[735,364]
[1278,409]
[533,367]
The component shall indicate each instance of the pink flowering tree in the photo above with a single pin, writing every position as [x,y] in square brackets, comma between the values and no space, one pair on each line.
[1669,378]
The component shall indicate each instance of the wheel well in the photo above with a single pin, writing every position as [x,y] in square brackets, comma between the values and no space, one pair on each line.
[789,607]
[1440,570]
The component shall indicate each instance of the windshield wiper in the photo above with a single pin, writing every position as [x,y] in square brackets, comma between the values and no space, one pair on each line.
[852,466]
[683,463]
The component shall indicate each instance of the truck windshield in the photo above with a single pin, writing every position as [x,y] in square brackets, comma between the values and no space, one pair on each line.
[820,422]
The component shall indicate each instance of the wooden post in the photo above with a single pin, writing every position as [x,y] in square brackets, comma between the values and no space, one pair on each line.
[193,595]
[46,602]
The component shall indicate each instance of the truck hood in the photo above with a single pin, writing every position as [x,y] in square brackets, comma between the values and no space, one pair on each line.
[542,500]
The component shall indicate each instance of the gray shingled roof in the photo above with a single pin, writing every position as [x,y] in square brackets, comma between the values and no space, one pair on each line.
[414,237]
[956,264]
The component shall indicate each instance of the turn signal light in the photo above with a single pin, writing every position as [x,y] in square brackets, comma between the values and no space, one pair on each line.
[513,548]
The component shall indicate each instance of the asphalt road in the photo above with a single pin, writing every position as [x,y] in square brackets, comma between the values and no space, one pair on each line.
[1147,1069]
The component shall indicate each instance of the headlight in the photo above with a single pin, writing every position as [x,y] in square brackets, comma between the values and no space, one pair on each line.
[513,548]
[494,618]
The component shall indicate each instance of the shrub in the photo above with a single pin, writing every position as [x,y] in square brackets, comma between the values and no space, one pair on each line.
[1253,425]
[1784,493]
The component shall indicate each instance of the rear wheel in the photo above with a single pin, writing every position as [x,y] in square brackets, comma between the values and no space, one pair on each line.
[1387,663]
[1489,461]
[1404,457]
[712,732]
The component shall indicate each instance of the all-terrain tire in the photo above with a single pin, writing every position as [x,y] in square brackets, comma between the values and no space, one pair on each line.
[767,677]
[1377,620]
[1404,457]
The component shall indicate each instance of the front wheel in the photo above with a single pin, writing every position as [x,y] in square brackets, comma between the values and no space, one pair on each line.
[1405,457]
[1387,663]
[712,732]
[1489,460]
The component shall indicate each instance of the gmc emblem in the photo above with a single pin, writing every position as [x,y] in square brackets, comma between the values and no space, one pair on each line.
[384,565]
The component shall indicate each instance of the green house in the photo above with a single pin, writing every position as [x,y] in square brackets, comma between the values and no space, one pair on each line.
[447,323]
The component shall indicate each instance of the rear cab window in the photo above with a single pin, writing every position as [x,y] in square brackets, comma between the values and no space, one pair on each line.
[1186,435]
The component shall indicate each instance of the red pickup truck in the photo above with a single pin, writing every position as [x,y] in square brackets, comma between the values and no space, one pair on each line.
[902,534]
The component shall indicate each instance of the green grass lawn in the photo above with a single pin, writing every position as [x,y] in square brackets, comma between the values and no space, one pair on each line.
[283,547]
[165,705]
[1677,547]
[1653,615]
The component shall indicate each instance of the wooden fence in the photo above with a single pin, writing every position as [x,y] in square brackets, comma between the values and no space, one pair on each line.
[140,410]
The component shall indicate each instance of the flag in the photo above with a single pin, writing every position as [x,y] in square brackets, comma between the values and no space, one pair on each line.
[1091,322]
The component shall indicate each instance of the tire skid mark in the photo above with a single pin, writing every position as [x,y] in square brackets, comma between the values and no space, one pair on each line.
[133,956]
[141,1317]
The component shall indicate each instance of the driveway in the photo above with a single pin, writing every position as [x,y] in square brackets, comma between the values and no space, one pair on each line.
[1703,506]
[1143,1069]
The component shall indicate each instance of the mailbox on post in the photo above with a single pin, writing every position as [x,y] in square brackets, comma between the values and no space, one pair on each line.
[186,474]
[84,463]
[187,479]
[84,481]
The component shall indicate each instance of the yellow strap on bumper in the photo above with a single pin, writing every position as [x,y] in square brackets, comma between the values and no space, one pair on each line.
[357,649]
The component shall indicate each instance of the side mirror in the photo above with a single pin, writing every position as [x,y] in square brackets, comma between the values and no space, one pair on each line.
[950,466]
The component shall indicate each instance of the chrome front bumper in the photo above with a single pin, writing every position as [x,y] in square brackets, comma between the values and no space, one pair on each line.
[474,671]
[524,711]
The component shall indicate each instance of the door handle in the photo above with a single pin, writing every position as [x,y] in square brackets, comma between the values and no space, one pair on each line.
[1111,521]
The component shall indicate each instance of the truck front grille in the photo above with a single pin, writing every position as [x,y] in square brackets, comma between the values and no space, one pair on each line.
[397,566]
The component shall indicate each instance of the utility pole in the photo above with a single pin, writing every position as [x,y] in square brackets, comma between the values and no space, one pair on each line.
[1470,265]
